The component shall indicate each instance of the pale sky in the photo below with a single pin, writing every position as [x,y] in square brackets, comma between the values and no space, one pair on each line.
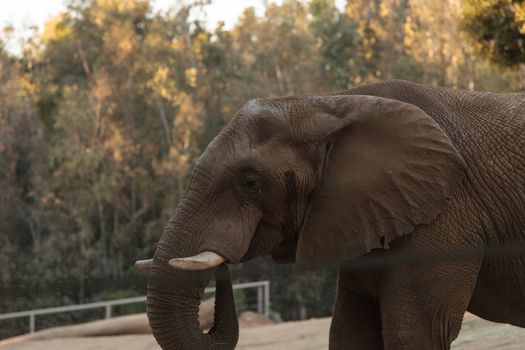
[18,12]
[25,13]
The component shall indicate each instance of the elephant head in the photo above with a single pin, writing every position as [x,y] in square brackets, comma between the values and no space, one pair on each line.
[312,180]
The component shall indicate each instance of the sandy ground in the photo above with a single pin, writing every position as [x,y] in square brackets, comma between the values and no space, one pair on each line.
[305,335]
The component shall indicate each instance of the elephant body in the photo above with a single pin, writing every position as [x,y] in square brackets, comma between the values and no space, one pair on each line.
[417,193]
[419,305]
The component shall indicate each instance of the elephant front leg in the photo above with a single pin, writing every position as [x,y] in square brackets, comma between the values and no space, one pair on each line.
[356,322]
[422,306]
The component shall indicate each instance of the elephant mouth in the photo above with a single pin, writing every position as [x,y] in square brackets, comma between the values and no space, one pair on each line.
[284,253]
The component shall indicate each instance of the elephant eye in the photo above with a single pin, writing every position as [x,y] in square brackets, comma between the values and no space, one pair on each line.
[251,184]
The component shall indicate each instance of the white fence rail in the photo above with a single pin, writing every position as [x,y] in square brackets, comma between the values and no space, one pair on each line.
[263,304]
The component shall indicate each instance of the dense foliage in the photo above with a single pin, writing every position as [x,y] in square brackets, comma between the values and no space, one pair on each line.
[104,113]
[498,27]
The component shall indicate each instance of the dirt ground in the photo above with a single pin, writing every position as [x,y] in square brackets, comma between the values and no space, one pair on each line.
[304,335]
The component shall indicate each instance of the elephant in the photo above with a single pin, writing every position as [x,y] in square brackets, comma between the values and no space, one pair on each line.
[415,192]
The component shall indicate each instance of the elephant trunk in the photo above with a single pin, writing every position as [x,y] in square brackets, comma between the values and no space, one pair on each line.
[173,300]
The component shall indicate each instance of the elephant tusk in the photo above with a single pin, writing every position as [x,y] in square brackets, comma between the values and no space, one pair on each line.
[143,265]
[202,261]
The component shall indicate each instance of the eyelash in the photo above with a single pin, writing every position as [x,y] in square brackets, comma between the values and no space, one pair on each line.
[251,184]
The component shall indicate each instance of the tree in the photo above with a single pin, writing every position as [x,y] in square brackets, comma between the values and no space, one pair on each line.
[381,31]
[498,29]
[340,64]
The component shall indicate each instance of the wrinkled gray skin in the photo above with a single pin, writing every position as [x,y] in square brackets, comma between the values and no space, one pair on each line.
[417,192]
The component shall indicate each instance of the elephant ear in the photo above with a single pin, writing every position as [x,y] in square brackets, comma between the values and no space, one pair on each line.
[388,167]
